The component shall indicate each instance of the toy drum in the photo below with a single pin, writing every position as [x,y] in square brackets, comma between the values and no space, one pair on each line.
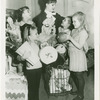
[48,55]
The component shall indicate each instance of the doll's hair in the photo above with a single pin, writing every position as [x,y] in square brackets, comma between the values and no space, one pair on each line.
[82,18]
[32,27]
[18,13]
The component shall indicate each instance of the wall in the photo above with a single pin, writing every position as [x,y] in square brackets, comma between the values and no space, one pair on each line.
[87,7]
[15,4]
[61,7]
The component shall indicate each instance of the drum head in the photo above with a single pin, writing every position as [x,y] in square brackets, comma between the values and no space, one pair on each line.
[61,49]
[48,54]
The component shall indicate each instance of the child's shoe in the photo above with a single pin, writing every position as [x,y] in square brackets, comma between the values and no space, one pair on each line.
[78,97]
[74,92]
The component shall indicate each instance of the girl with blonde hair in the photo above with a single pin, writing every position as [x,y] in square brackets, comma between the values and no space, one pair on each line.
[77,50]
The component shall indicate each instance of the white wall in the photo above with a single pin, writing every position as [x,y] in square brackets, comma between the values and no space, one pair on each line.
[60,7]
[85,6]
[15,4]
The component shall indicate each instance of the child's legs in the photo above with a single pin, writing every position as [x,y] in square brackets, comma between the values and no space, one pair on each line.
[81,82]
[20,67]
[75,79]
[33,78]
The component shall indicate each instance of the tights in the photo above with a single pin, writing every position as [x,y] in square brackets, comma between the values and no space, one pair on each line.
[79,82]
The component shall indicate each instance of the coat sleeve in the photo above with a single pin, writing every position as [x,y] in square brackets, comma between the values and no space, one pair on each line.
[38,21]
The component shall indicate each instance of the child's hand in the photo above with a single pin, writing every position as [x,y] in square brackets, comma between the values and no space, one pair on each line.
[68,37]
[20,58]
[68,31]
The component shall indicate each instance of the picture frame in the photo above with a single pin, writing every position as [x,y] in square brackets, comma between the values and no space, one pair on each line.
[7,12]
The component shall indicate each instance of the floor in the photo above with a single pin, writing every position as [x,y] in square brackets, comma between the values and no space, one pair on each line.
[89,90]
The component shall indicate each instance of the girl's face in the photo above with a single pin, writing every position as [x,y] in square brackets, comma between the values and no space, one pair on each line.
[26,14]
[33,33]
[66,23]
[76,22]
[51,7]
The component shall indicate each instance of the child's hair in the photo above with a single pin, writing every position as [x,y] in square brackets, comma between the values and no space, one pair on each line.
[50,1]
[71,27]
[18,13]
[82,18]
[27,31]
[33,27]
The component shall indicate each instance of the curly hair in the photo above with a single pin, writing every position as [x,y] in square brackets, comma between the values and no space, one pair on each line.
[18,13]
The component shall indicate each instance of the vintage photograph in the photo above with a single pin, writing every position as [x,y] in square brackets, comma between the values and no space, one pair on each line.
[49,50]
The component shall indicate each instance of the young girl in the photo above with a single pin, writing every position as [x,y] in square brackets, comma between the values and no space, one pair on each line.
[65,29]
[66,25]
[14,37]
[23,16]
[78,62]
[33,72]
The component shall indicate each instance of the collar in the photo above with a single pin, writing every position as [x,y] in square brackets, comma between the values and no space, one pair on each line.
[22,23]
[49,14]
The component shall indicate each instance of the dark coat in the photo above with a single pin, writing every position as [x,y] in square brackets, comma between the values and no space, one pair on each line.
[42,16]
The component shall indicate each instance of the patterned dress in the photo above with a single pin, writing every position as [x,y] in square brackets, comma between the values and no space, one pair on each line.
[78,61]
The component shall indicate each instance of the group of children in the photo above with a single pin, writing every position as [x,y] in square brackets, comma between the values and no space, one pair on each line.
[72,33]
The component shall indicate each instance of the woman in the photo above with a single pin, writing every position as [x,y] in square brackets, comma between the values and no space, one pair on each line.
[48,13]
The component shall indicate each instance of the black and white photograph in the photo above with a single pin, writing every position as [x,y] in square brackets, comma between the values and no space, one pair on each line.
[51,50]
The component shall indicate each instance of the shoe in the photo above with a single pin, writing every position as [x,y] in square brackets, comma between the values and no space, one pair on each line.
[78,97]
[74,92]
[20,73]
